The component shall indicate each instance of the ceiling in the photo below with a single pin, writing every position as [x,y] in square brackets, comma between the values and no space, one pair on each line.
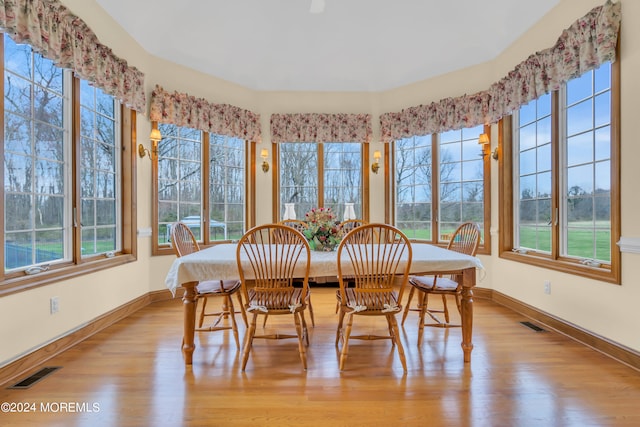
[352,45]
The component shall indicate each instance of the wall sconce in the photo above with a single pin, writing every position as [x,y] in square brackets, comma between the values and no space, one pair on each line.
[484,140]
[265,165]
[155,137]
[375,166]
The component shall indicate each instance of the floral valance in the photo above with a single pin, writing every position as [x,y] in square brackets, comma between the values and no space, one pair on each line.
[586,44]
[184,110]
[57,34]
[315,127]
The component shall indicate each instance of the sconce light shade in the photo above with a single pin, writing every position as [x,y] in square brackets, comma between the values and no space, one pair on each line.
[264,153]
[483,140]
[376,165]
[155,136]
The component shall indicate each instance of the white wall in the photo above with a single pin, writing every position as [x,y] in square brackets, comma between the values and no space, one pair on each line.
[605,309]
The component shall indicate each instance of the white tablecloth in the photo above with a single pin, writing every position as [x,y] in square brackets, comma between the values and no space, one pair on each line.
[219,262]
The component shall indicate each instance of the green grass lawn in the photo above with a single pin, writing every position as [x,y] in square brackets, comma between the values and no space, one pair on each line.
[580,243]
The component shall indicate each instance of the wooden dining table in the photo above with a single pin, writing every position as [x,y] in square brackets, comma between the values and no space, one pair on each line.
[219,262]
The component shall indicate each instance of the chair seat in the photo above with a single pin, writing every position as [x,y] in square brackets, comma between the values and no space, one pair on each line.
[425,283]
[271,300]
[373,301]
[217,287]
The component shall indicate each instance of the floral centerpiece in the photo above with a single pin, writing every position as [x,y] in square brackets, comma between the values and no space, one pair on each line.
[323,231]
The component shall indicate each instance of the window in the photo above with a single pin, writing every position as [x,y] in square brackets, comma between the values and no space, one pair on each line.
[226,187]
[565,178]
[308,182]
[99,171]
[442,176]
[210,200]
[44,230]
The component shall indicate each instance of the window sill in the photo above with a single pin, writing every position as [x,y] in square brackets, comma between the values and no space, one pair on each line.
[20,283]
[604,273]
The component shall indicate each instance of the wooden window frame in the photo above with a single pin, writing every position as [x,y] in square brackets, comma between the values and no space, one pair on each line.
[79,266]
[485,247]
[250,178]
[607,273]
[275,196]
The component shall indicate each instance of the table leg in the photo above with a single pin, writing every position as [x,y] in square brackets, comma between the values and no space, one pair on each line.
[468,282]
[189,301]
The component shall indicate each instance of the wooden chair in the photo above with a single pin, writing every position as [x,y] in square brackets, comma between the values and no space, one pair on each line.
[295,223]
[350,224]
[184,243]
[346,227]
[371,256]
[270,257]
[300,226]
[465,240]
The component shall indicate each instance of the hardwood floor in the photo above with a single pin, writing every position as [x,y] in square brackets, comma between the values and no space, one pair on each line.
[132,374]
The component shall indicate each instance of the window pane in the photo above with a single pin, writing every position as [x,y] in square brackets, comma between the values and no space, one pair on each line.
[99,171]
[587,167]
[580,149]
[580,117]
[299,176]
[528,162]
[35,162]
[180,179]
[602,78]
[533,182]
[343,177]
[579,88]
[413,170]
[226,187]
[602,109]
[461,180]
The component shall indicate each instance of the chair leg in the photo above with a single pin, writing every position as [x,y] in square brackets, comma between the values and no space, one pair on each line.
[345,345]
[445,309]
[305,330]
[204,305]
[339,330]
[298,318]
[393,326]
[242,310]
[232,315]
[423,310]
[313,320]
[248,342]
[408,304]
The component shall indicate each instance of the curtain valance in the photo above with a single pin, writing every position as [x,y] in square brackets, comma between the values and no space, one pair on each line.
[57,34]
[585,45]
[314,127]
[184,110]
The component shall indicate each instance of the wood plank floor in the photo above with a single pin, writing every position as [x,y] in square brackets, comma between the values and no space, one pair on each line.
[132,374]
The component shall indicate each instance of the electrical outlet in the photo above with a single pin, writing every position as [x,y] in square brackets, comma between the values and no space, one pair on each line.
[54,305]
[547,287]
